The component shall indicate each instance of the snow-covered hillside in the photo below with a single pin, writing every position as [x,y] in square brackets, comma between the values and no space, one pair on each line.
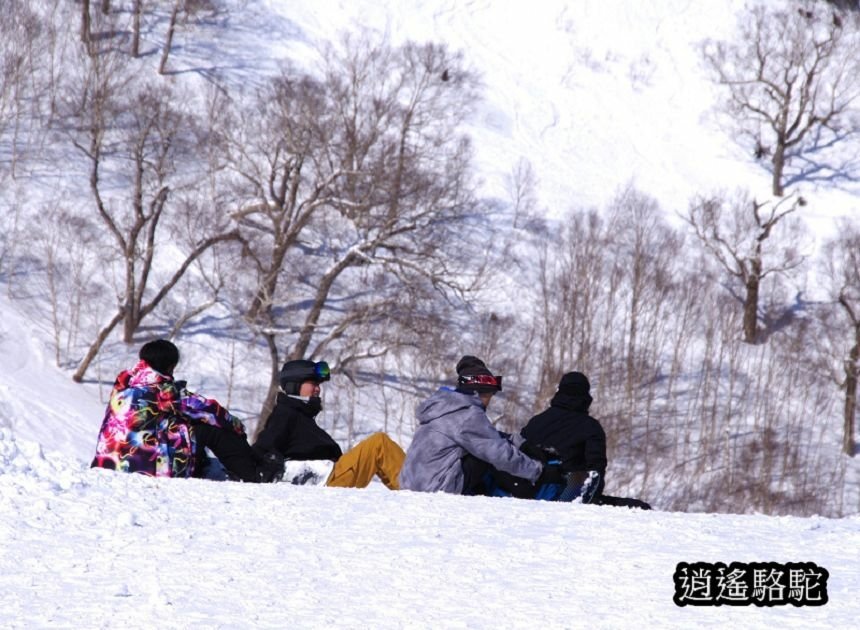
[94,549]
[595,94]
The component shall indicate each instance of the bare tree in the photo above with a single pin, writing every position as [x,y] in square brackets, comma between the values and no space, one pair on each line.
[86,22]
[17,26]
[644,248]
[742,236]
[136,12]
[573,268]
[842,269]
[68,262]
[28,54]
[134,138]
[9,232]
[790,80]
[522,185]
[11,63]
[357,179]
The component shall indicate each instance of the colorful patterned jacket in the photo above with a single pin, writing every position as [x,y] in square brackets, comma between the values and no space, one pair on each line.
[149,424]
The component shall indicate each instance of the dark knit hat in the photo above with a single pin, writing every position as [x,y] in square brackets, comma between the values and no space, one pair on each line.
[294,373]
[574,384]
[473,376]
[161,355]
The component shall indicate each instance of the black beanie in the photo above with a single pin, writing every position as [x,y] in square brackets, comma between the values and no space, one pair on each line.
[574,384]
[161,355]
[472,366]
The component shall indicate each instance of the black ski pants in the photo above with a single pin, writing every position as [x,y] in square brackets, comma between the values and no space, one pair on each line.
[231,449]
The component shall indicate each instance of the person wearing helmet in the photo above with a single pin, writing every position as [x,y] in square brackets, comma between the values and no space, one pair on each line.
[455,444]
[311,455]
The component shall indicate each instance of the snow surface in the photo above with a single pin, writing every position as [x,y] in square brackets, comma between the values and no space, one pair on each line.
[583,90]
[595,94]
[92,549]
[96,549]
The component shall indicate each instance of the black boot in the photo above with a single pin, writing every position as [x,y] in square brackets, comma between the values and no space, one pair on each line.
[271,468]
[581,485]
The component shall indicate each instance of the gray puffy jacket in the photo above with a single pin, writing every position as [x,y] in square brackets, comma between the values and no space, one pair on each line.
[451,425]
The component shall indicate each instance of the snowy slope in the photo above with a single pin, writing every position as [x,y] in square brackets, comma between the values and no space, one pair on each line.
[595,94]
[583,90]
[96,549]
[39,402]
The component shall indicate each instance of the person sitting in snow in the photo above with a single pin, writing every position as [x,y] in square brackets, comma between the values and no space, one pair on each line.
[311,455]
[153,425]
[569,435]
[455,445]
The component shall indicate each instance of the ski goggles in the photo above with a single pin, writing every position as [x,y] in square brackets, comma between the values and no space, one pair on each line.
[301,371]
[322,371]
[486,380]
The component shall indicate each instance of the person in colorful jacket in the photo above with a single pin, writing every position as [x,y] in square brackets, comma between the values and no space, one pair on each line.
[153,425]
[455,444]
[312,457]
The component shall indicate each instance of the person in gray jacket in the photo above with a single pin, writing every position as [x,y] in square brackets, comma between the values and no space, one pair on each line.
[455,442]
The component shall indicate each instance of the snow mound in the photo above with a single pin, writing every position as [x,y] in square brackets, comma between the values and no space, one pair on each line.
[26,458]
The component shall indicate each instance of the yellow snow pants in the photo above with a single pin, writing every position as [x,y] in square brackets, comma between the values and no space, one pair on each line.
[376,455]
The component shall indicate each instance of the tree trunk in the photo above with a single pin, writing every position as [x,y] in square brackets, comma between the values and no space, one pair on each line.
[105,7]
[852,367]
[272,394]
[135,37]
[78,376]
[131,307]
[169,41]
[262,302]
[635,295]
[85,23]
[778,169]
[751,311]
[131,321]
[753,280]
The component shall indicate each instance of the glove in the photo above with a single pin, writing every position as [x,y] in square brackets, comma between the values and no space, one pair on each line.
[552,473]
[534,451]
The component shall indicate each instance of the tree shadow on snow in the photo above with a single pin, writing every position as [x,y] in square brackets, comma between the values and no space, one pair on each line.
[775,318]
[833,160]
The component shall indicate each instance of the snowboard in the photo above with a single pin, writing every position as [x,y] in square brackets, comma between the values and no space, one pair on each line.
[581,487]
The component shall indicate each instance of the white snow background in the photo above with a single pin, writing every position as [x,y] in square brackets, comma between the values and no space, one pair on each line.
[92,549]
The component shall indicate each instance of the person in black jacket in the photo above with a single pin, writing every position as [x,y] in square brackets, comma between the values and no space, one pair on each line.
[568,434]
[311,455]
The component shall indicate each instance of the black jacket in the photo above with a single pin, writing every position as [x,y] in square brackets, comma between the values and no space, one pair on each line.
[292,432]
[568,430]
